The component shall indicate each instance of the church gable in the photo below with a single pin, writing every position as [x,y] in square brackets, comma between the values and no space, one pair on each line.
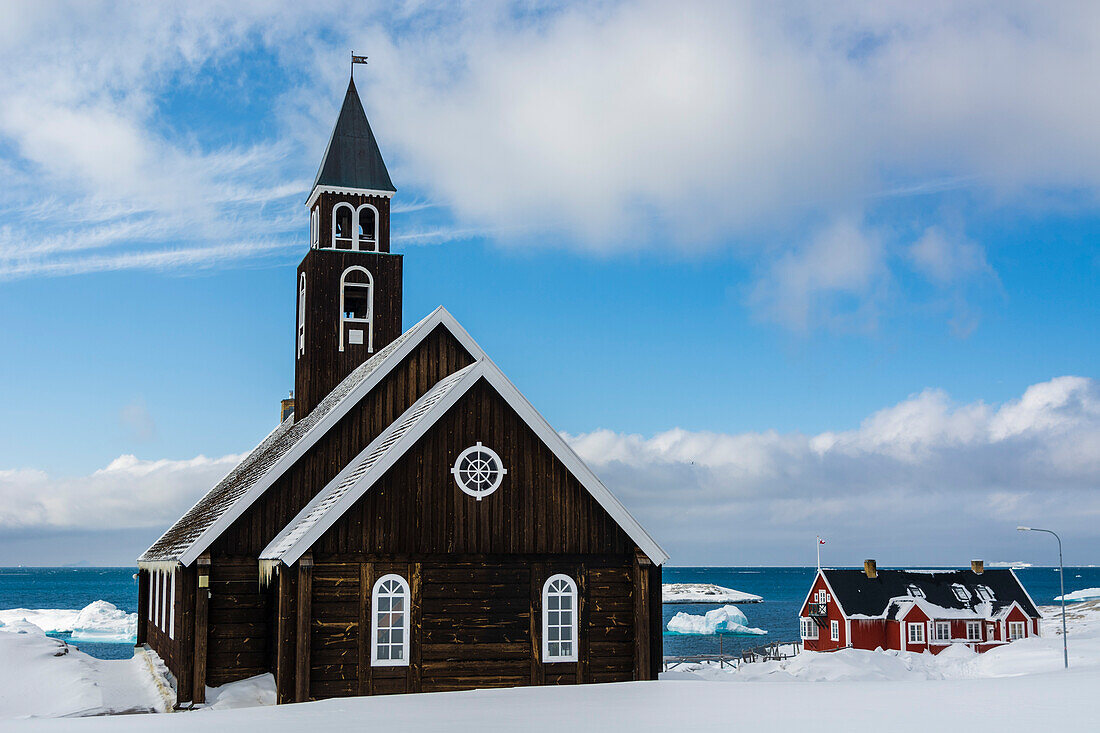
[401,496]
[417,507]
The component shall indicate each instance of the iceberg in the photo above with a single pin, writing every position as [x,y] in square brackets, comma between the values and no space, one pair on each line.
[704,593]
[725,620]
[98,621]
[1086,594]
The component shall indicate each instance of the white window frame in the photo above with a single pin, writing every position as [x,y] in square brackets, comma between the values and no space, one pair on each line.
[915,627]
[152,595]
[172,605]
[369,320]
[407,596]
[985,593]
[942,631]
[314,228]
[355,229]
[495,463]
[961,592]
[915,591]
[809,628]
[822,596]
[350,240]
[973,630]
[834,630]
[571,593]
[1013,627]
[302,315]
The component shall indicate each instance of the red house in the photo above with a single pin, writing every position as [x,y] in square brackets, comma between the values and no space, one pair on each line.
[916,610]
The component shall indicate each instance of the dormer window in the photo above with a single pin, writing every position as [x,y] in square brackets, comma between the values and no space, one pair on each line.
[960,592]
[357,308]
[915,591]
[985,593]
[366,217]
[342,233]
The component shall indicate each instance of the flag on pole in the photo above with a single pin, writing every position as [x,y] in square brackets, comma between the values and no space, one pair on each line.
[820,541]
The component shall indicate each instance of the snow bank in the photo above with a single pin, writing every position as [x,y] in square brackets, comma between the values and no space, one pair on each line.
[725,620]
[98,621]
[252,692]
[704,593]
[44,677]
[1088,594]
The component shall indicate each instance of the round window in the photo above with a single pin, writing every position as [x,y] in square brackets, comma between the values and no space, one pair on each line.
[478,471]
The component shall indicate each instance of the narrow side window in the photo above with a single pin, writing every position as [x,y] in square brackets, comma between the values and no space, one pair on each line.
[313,226]
[172,606]
[390,622]
[559,619]
[302,315]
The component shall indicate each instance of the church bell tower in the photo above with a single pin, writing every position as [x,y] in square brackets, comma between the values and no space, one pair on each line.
[349,284]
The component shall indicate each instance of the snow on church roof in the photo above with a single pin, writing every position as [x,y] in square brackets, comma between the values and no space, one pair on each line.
[268,460]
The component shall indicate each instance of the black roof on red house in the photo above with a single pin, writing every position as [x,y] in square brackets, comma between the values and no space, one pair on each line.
[861,595]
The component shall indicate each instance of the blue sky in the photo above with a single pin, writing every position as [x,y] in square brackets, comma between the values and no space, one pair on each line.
[768,268]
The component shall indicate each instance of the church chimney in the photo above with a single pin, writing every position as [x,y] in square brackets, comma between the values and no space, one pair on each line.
[870,568]
[978,566]
[286,408]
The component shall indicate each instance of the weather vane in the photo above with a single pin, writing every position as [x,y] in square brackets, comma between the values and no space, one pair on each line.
[357,60]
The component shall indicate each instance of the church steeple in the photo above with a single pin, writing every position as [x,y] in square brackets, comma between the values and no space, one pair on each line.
[349,284]
[352,158]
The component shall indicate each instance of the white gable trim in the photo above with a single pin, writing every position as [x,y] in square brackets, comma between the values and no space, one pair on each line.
[1028,595]
[832,594]
[438,317]
[483,369]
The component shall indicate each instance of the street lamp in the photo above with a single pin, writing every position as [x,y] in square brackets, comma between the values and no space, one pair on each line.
[1062,581]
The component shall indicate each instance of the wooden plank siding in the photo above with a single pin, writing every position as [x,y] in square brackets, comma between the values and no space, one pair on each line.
[239,614]
[476,623]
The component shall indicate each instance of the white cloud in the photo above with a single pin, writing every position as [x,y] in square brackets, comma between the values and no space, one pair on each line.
[128,492]
[947,259]
[924,477]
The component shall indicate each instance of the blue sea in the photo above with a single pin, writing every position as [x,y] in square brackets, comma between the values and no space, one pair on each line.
[783,590]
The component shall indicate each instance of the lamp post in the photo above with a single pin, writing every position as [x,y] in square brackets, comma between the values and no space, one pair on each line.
[1062,582]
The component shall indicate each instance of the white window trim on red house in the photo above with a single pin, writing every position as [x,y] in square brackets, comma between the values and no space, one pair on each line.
[910,627]
[831,597]
[834,630]
[1013,626]
[808,627]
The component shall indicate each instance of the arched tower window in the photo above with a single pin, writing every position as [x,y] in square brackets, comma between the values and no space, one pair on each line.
[389,626]
[313,233]
[302,315]
[559,619]
[366,231]
[342,235]
[357,307]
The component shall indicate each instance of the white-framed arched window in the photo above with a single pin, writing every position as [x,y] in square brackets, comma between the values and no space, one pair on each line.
[343,219]
[314,235]
[366,228]
[559,619]
[302,315]
[357,307]
[389,625]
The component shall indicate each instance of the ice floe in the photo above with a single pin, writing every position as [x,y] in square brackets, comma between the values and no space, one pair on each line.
[704,593]
[725,620]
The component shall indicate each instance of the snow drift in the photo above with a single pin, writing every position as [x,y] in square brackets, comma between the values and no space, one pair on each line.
[724,620]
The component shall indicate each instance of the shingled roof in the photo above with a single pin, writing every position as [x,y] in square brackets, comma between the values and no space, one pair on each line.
[859,595]
[352,158]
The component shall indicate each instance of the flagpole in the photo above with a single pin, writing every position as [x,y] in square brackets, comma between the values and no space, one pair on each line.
[819,552]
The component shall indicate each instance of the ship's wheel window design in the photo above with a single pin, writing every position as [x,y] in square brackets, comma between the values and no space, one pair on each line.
[478,471]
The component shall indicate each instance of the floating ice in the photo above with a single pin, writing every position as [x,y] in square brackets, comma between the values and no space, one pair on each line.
[98,621]
[725,620]
[704,593]
[1086,594]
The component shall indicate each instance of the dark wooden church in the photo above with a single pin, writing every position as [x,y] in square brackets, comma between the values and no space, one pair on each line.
[414,524]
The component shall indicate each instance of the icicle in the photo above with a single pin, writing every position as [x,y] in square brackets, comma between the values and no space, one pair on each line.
[268,568]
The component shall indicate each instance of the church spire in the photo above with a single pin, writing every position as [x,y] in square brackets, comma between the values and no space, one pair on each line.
[352,159]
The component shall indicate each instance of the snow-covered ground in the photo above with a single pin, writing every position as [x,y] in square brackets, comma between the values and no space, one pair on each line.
[98,621]
[724,620]
[1019,687]
[704,593]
